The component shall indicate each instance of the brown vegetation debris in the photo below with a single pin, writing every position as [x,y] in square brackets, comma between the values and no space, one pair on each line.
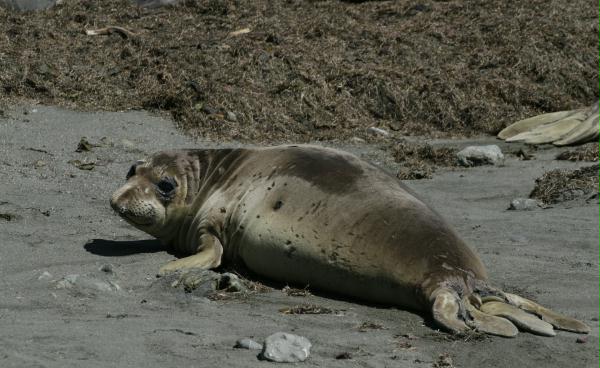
[365,326]
[524,155]
[444,360]
[344,355]
[307,309]
[290,291]
[587,152]
[308,70]
[563,185]
[420,160]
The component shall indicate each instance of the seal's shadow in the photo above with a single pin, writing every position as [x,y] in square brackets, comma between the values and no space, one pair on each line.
[120,248]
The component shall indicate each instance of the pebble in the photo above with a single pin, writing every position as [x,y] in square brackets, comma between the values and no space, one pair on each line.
[523,204]
[45,276]
[480,155]
[84,282]
[231,283]
[357,140]
[247,343]
[283,347]
[581,340]
[231,116]
[378,131]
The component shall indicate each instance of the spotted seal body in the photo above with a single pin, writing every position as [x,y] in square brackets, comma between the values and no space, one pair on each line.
[316,216]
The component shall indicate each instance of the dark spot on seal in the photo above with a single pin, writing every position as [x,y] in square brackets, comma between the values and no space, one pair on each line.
[316,207]
[257,216]
[223,210]
[290,251]
[131,171]
[329,171]
[277,205]
[288,242]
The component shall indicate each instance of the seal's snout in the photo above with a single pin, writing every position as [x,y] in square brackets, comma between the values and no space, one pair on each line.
[116,202]
[137,206]
[114,205]
[119,201]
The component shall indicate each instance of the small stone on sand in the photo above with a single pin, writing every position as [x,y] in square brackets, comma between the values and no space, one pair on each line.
[283,347]
[480,155]
[247,343]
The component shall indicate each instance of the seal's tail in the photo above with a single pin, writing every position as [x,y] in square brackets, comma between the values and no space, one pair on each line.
[498,313]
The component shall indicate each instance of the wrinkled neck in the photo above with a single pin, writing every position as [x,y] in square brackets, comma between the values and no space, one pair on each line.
[208,170]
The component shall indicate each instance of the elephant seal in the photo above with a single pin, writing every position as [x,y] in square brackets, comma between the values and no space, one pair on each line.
[322,217]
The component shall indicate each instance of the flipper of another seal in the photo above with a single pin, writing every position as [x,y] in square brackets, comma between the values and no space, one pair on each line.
[559,128]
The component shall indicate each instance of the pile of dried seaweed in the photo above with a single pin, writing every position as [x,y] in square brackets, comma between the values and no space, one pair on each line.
[260,70]
[563,185]
[587,152]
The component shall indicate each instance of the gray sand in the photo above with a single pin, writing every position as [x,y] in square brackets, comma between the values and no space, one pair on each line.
[57,222]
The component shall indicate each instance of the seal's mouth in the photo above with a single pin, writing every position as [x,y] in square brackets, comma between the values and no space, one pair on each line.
[131,217]
[138,222]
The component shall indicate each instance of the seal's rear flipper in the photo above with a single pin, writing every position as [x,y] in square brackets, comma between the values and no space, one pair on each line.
[549,133]
[523,320]
[560,128]
[490,324]
[459,316]
[446,310]
[587,131]
[555,319]
[529,124]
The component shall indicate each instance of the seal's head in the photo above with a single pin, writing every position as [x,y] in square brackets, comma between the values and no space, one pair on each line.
[153,193]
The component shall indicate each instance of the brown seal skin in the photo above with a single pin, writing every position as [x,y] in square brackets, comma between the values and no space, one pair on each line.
[316,216]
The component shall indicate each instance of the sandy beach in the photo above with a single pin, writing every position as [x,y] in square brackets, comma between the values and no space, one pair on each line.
[56,223]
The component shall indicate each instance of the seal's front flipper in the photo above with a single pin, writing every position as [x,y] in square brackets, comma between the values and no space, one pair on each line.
[523,320]
[208,257]
[555,319]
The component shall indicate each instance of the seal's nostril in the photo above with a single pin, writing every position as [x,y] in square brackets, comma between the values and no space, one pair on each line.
[115,205]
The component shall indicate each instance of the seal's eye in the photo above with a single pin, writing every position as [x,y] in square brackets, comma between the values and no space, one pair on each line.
[167,185]
[131,172]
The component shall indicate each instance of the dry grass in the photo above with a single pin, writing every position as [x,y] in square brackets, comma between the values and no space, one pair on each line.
[309,70]
[587,152]
[563,185]
[307,309]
